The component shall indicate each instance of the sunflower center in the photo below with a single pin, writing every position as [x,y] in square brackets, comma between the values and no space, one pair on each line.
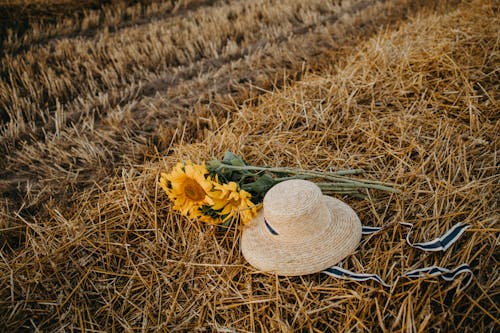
[193,190]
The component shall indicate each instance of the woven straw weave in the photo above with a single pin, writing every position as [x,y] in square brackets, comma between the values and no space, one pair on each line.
[311,231]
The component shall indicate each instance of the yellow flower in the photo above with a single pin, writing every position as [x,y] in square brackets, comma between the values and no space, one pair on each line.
[208,215]
[187,186]
[231,202]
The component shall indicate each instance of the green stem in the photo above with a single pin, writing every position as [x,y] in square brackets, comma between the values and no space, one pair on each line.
[290,170]
[356,184]
[281,179]
[334,176]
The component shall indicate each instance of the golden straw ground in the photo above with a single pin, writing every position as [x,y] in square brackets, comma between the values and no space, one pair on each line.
[89,240]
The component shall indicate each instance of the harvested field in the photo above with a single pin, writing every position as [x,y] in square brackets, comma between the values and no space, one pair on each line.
[97,99]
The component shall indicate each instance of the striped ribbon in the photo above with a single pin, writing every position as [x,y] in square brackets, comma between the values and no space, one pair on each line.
[446,274]
[341,273]
[439,244]
[366,230]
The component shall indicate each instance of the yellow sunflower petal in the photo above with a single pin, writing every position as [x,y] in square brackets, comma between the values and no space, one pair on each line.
[209,219]
[187,186]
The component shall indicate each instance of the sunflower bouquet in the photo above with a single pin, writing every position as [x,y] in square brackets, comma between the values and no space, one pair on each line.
[220,191]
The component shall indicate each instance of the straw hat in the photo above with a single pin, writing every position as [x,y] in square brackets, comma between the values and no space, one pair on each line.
[300,231]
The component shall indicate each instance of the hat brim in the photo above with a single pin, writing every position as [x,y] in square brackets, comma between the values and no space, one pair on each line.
[270,253]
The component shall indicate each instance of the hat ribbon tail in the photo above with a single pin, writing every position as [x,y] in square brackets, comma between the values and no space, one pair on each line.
[446,274]
[441,243]
[366,230]
[345,274]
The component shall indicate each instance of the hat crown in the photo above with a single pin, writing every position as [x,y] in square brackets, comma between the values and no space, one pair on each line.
[295,208]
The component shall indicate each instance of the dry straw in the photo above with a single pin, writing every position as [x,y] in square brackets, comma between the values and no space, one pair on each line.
[406,90]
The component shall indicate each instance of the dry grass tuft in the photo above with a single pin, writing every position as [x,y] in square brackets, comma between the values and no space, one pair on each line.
[88,241]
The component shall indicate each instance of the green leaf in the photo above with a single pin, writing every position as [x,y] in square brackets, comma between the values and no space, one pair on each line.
[213,165]
[227,223]
[233,159]
[259,187]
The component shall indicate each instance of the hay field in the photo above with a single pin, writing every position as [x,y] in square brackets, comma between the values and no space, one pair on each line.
[97,99]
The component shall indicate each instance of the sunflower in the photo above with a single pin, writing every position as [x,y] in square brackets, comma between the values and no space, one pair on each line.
[187,186]
[209,215]
[230,202]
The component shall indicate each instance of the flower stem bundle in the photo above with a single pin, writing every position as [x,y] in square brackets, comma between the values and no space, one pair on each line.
[221,190]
